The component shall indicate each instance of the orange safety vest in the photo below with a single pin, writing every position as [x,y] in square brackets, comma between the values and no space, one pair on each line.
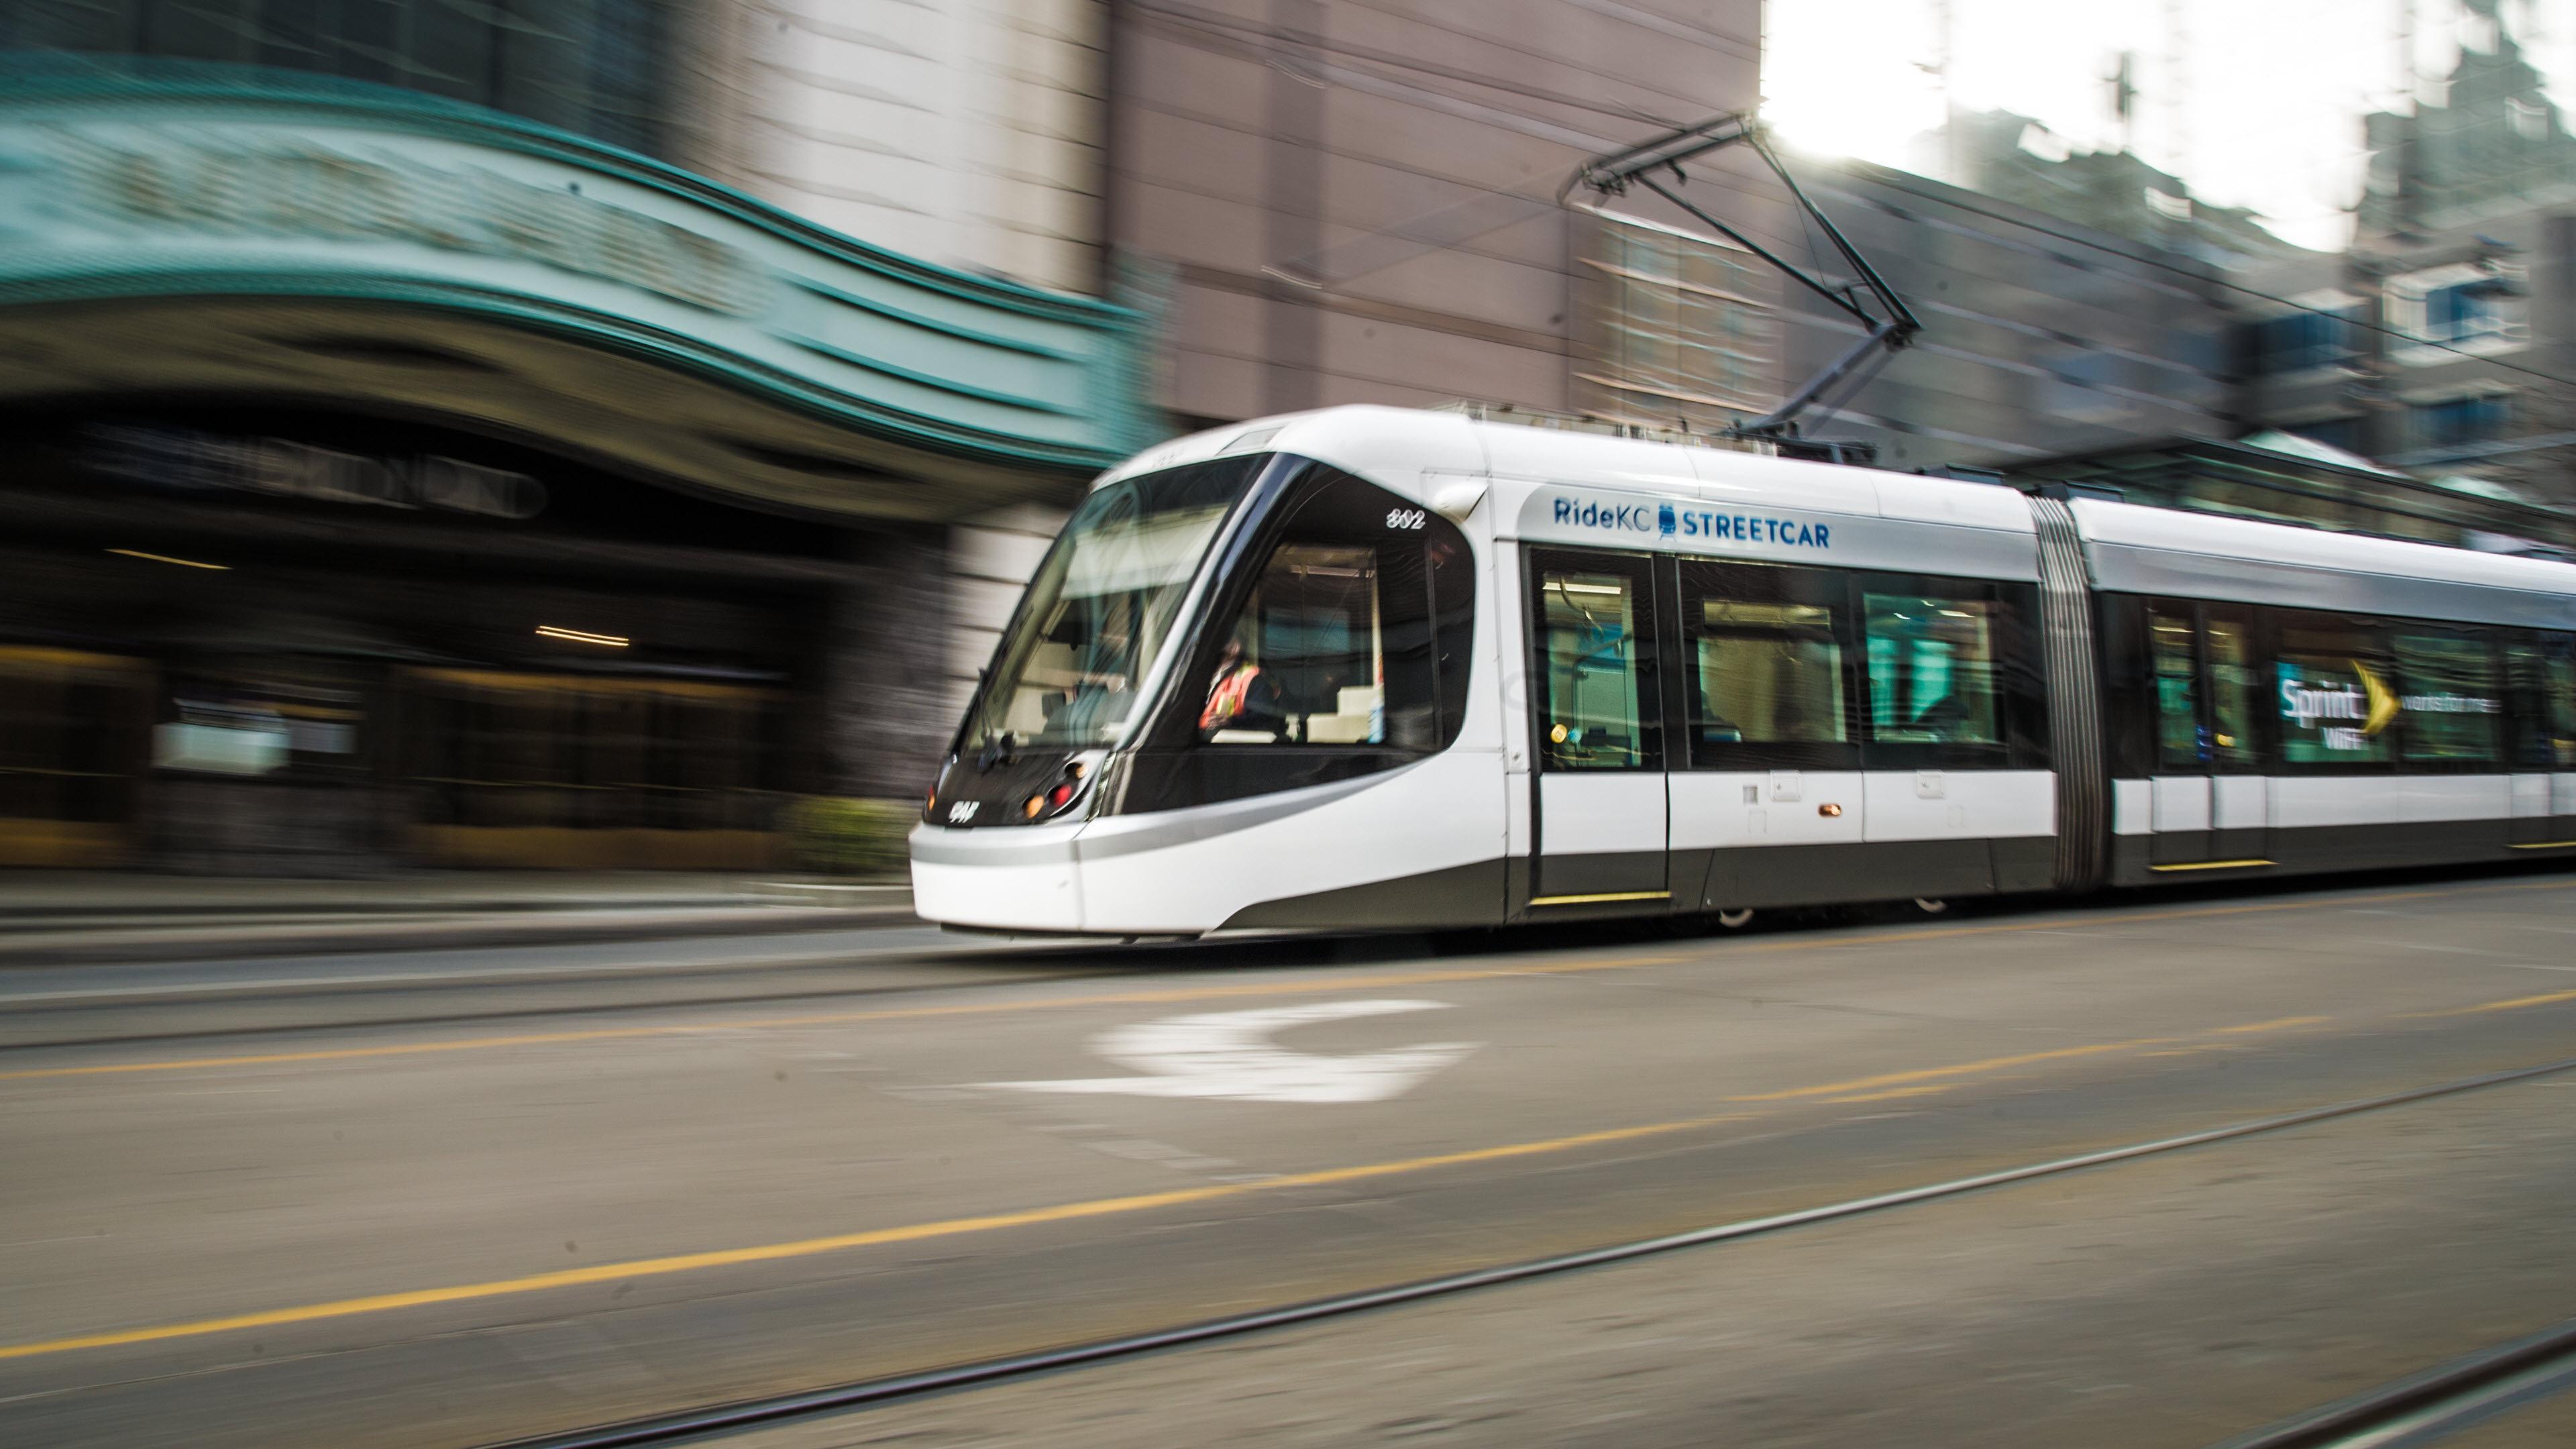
[1225,701]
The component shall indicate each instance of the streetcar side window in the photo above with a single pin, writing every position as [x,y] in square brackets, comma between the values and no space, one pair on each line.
[2235,687]
[1453,623]
[2560,670]
[2336,701]
[2173,632]
[2449,694]
[1766,654]
[2544,716]
[1932,669]
[1593,711]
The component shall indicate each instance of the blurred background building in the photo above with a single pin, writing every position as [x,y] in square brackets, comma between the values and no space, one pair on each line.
[1359,202]
[564,432]
[532,434]
[2437,344]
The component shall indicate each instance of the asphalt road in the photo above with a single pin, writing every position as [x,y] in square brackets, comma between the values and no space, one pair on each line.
[448,1198]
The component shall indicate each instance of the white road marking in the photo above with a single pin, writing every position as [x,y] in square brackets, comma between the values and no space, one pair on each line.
[1228,1054]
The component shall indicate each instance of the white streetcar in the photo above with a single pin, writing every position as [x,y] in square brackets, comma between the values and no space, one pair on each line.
[1371,667]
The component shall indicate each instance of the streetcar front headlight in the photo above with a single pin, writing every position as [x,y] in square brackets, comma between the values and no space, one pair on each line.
[1059,797]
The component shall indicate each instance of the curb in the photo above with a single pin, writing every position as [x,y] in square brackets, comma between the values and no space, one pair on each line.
[15,918]
[221,944]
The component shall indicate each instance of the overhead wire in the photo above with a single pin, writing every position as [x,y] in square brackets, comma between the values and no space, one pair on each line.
[1193,18]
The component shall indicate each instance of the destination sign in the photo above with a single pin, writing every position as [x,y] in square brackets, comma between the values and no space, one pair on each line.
[1665,520]
[1732,529]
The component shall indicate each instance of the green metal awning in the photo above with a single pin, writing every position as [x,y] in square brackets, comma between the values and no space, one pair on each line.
[180,231]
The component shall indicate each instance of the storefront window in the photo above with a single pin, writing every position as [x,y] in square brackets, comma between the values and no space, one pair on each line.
[600,67]
[507,751]
[70,736]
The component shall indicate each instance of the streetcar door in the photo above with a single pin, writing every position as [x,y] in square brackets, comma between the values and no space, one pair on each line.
[1597,721]
[2180,805]
[2541,678]
[2209,803]
[2232,682]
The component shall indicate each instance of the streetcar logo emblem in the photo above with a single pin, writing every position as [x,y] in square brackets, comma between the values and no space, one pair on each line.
[962,811]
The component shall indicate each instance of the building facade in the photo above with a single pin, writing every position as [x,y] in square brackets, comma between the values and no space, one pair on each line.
[964,132]
[1361,202]
[2041,335]
[422,465]
[2443,343]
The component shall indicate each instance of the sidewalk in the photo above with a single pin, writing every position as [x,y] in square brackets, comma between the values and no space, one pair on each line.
[67,917]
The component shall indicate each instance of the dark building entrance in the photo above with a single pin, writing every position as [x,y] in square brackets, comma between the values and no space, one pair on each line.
[334,645]
[396,481]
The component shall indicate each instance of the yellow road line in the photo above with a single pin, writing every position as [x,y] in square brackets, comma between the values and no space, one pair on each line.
[1964,1069]
[1303,986]
[1897,1092]
[2284,1024]
[1882,1086]
[2550,998]
[808,1247]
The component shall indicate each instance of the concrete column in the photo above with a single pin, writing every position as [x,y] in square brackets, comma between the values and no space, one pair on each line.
[888,711]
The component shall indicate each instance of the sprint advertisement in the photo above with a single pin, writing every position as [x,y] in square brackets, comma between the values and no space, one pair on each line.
[2341,710]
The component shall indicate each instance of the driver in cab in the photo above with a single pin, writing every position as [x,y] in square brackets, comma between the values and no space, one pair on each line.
[1240,697]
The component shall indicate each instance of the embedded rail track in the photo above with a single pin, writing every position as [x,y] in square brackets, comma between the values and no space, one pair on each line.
[2452,1395]
[2427,1407]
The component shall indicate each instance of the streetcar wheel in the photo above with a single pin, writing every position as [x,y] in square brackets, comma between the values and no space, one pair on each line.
[1930,906]
[1734,920]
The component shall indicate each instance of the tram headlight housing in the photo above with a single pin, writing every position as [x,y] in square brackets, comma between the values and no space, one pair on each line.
[1059,797]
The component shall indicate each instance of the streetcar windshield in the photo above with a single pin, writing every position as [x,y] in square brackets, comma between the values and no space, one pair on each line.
[1100,609]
